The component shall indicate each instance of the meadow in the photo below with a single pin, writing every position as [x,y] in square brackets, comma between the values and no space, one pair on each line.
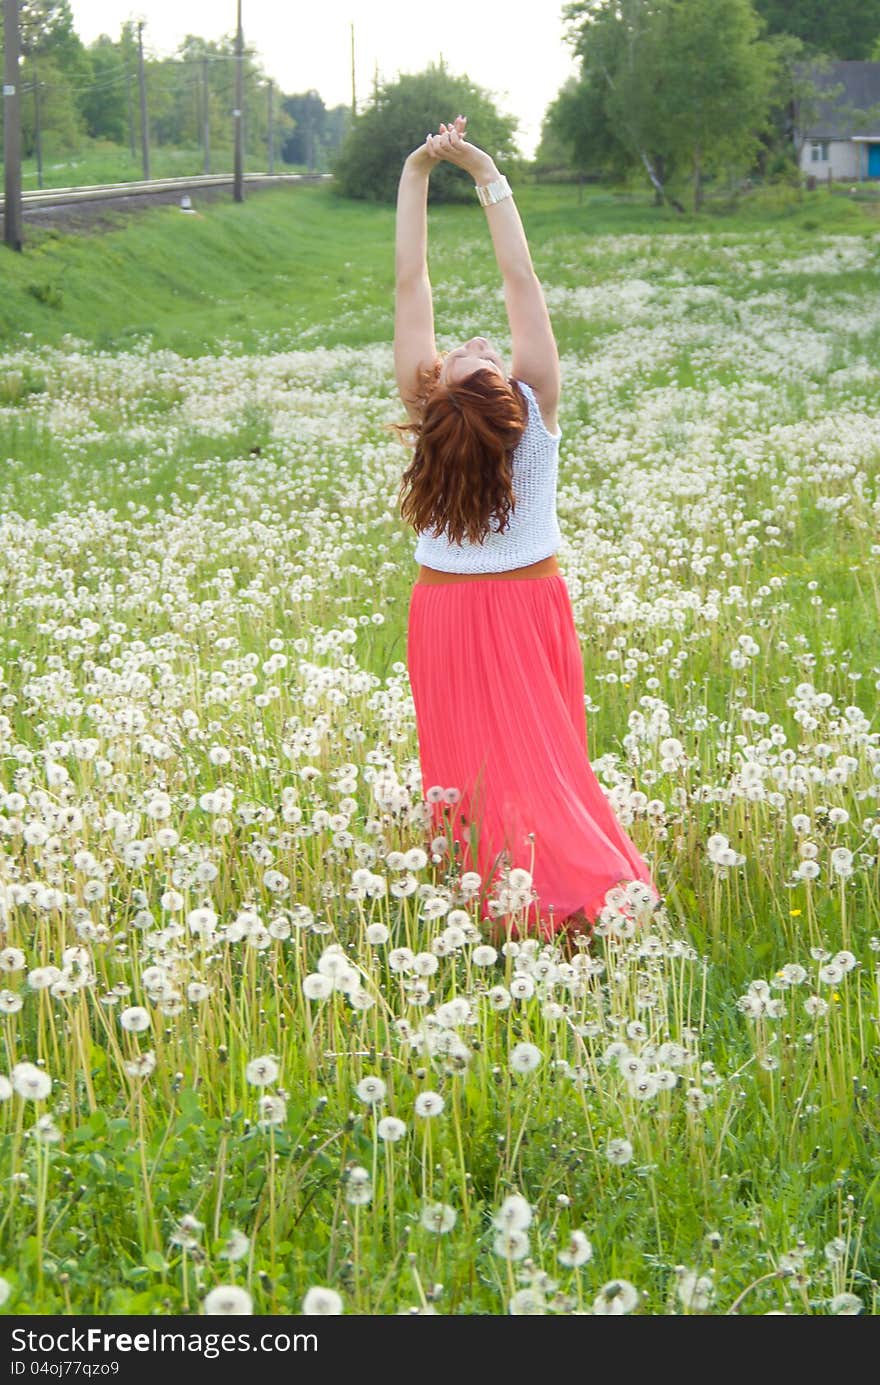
[104,161]
[257,1054]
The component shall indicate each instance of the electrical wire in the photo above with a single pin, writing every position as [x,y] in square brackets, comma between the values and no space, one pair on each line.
[105,83]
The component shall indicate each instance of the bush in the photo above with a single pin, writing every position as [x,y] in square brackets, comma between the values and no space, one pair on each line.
[401,114]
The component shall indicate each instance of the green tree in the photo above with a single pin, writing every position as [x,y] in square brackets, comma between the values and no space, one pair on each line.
[621,87]
[60,121]
[104,103]
[399,116]
[54,57]
[47,31]
[669,85]
[315,133]
[577,126]
[309,114]
[847,29]
[718,84]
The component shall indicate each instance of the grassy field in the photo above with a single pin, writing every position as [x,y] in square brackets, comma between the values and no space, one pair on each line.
[101,161]
[256,1054]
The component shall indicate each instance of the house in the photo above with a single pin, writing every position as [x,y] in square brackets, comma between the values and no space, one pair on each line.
[839,137]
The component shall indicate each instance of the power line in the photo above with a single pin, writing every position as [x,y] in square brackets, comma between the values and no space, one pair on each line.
[103,84]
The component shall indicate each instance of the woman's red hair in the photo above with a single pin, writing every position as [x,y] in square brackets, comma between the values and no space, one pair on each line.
[461,474]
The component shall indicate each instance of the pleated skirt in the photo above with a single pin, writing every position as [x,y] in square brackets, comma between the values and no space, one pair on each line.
[497,679]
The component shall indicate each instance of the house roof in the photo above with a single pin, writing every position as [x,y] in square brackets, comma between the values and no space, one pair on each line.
[861,90]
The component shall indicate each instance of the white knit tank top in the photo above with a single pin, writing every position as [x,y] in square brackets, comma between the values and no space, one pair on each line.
[533,527]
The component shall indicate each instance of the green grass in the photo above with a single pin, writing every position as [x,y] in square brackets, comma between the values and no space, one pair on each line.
[170,516]
[102,161]
[289,259]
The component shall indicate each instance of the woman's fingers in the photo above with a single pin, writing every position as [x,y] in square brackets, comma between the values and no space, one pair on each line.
[448,142]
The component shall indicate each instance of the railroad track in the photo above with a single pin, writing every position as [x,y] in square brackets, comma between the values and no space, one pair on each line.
[49,202]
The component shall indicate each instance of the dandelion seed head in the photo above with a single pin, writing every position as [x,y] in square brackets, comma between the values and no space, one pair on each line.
[321,1302]
[263,1071]
[229,1300]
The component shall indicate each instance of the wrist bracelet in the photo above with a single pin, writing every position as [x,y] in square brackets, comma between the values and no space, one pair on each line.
[490,193]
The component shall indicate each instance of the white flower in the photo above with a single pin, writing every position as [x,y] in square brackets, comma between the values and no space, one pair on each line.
[5,1291]
[816,1006]
[186,1232]
[141,1066]
[371,1090]
[618,1151]
[519,879]
[320,1302]
[272,1110]
[525,1058]
[511,1245]
[499,998]
[514,1214]
[841,861]
[454,1012]
[158,806]
[438,1217]
[846,1305]
[358,1188]
[644,1087]
[260,1072]
[361,999]
[401,959]
[228,1300]
[275,882]
[135,1019]
[377,934]
[522,987]
[40,978]
[831,974]
[390,1129]
[46,1131]
[695,1291]
[235,1247]
[484,956]
[528,1303]
[428,1104]
[577,1252]
[31,1082]
[6,1088]
[616,1297]
[317,987]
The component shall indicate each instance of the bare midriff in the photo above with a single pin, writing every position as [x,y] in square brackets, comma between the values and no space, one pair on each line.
[432,576]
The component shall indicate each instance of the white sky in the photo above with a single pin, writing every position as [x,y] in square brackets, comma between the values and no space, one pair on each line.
[513,48]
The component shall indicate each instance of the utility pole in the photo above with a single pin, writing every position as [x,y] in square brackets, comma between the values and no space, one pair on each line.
[207,126]
[353,94]
[128,76]
[238,192]
[37,134]
[11,126]
[145,131]
[271,133]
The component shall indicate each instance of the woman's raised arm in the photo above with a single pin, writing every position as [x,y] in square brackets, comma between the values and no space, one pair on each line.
[535,355]
[414,347]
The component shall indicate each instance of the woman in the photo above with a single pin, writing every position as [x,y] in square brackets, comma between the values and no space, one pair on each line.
[494,660]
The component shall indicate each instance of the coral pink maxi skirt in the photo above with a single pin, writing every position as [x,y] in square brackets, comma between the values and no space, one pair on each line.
[497,678]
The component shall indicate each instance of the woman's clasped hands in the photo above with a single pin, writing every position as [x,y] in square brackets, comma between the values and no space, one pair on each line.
[449,145]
